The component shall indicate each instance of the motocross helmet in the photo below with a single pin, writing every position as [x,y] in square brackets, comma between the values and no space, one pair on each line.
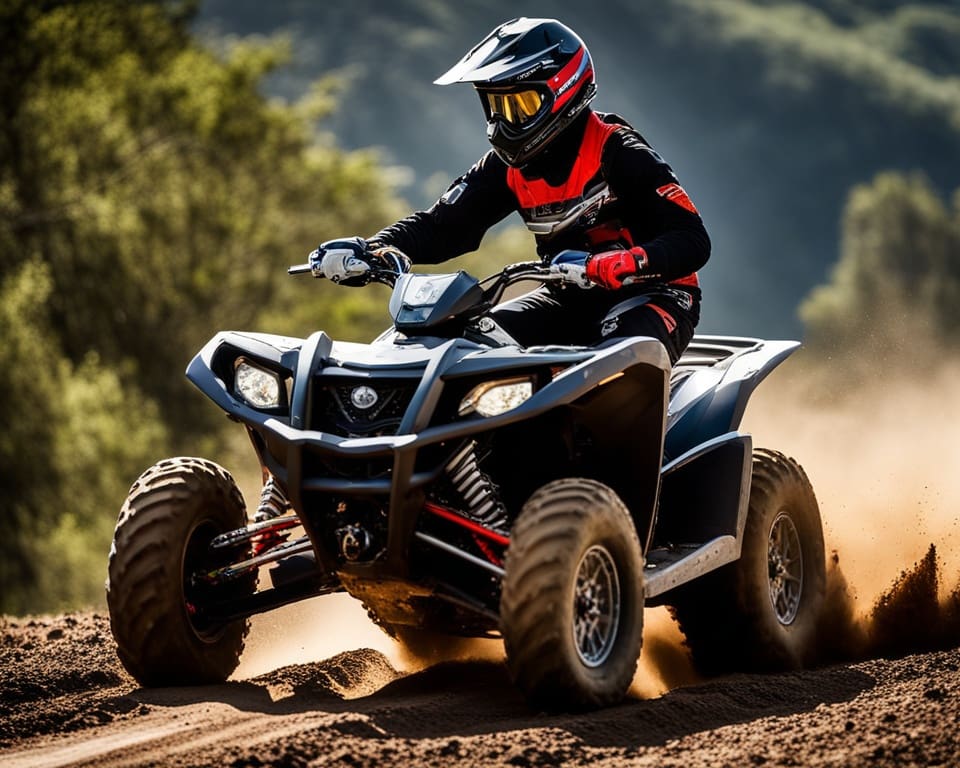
[534,76]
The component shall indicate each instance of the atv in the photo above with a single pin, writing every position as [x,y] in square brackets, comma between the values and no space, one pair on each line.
[455,482]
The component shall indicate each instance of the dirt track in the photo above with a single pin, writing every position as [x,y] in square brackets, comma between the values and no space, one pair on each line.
[66,701]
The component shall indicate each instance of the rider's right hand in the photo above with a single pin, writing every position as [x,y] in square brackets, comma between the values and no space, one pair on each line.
[345,261]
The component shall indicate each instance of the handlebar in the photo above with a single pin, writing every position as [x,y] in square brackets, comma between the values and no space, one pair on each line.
[374,275]
[567,267]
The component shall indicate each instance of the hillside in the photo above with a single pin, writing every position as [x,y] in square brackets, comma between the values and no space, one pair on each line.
[768,111]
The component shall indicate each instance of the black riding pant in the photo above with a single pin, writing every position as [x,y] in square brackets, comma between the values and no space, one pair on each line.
[585,317]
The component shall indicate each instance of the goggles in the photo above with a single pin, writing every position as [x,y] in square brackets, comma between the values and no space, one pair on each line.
[516,108]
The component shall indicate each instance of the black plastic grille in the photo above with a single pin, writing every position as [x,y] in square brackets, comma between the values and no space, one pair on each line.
[318,466]
[336,411]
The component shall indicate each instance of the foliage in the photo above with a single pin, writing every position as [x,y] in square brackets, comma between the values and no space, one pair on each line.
[74,438]
[30,387]
[897,284]
[162,187]
[150,195]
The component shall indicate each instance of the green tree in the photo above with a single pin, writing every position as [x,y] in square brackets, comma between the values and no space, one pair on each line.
[897,283]
[150,195]
[164,189]
[72,441]
[30,384]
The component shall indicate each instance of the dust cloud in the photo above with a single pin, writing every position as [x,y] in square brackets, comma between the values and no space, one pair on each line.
[324,626]
[309,631]
[883,456]
[664,661]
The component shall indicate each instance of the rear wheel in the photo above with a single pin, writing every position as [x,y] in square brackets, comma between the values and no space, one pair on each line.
[571,609]
[162,538]
[762,612]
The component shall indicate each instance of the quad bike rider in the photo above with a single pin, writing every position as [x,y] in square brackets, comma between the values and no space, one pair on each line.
[580,180]
[401,460]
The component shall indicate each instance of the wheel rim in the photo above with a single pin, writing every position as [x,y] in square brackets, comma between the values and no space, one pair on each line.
[596,605]
[785,563]
[196,558]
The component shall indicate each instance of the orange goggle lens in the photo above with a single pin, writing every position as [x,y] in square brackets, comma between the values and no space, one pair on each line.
[515,108]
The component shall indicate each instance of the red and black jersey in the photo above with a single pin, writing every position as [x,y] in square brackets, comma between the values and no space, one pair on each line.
[597,187]
[548,208]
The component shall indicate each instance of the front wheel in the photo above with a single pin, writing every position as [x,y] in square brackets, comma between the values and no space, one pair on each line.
[162,539]
[571,609]
[762,612]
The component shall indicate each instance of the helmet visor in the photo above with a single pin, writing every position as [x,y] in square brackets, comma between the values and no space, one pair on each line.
[516,107]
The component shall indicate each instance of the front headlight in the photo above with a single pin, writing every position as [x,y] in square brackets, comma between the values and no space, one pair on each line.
[427,293]
[259,387]
[495,397]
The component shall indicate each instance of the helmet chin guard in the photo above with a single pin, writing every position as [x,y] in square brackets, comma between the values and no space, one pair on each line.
[534,76]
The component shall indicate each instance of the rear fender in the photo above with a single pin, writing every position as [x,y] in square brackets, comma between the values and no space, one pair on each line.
[708,397]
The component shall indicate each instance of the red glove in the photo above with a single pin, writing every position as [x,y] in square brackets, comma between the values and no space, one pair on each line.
[612,268]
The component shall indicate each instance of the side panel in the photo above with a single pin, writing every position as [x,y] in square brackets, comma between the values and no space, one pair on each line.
[704,493]
[704,499]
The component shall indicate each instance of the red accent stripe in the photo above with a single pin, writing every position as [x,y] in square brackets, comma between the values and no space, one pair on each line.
[567,72]
[453,517]
[690,279]
[568,94]
[666,316]
[488,551]
[676,194]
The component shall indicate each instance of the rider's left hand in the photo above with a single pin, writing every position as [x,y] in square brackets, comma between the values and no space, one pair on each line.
[614,269]
[390,259]
[345,261]
[353,261]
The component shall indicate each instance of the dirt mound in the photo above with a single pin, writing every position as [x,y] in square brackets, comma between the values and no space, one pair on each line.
[50,666]
[347,675]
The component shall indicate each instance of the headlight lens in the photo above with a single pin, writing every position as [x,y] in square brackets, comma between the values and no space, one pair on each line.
[427,293]
[259,387]
[495,397]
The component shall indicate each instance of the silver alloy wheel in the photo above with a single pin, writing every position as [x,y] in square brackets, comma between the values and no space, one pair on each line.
[596,606]
[785,563]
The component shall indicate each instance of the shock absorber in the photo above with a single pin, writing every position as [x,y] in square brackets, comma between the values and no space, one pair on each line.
[273,502]
[478,491]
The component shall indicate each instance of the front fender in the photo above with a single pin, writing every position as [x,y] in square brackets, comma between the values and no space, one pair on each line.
[211,369]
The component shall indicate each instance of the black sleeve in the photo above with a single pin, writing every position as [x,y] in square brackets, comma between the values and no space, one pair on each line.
[457,222]
[649,194]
